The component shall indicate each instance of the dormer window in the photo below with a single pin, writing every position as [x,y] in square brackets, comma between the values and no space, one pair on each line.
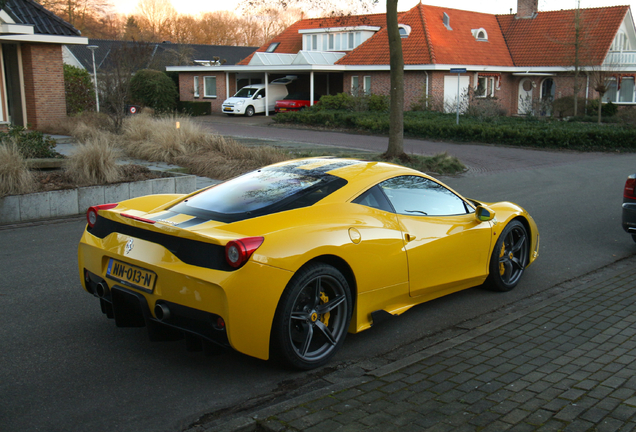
[405,30]
[480,34]
[272,47]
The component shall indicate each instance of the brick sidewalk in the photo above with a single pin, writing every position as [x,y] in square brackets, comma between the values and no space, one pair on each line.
[568,364]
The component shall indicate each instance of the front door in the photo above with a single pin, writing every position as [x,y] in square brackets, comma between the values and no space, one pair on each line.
[12,74]
[447,247]
[525,97]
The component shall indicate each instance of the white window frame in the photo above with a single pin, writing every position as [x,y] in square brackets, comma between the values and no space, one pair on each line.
[366,85]
[489,87]
[206,93]
[617,98]
[355,85]
[196,86]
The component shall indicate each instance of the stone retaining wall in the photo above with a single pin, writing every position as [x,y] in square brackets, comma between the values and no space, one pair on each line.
[43,205]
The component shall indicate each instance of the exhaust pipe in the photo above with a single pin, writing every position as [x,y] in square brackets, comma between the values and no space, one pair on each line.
[102,290]
[162,312]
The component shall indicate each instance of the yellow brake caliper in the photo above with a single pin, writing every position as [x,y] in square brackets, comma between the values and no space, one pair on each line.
[325,317]
[502,269]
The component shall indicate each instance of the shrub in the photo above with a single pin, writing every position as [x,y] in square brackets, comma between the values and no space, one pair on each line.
[341,101]
[31,144]
[154,89]
[627,115]
[94,162]
[378,102]
[609,109]
[564,106]
[79,90]
[194,108]
[15,177]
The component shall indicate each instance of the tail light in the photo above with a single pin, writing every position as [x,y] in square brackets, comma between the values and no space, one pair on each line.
[91,214]
[630,184]
[237,252]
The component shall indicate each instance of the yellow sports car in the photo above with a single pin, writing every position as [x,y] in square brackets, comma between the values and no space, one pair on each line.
[284,261]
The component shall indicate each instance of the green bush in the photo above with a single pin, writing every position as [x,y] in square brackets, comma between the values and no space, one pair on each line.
[31,144]
[516,131]
[194,108]
[609,109]
[378,102]
[154,89]
[341,101]
[79,90]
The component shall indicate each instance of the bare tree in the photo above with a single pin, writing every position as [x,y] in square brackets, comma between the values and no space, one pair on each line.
[114,81]
[153,17]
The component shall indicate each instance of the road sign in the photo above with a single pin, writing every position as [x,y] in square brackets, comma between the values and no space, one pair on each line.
[458,70]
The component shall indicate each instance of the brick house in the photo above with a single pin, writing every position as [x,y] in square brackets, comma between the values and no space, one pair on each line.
[31,72]
[518,60]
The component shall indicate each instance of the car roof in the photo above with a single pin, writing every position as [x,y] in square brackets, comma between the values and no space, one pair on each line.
[352,170]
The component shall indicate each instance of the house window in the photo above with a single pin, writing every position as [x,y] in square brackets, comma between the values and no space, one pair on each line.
[405,30]
[314,42]
[355,85]
[621,42]
[485,87]
[272,47]
[620,94]
[196,86]
[626,92]
[331,42]
[480,34]
[351,36]
[209,86]
[366,87]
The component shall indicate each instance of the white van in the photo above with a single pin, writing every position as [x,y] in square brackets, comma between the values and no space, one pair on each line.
[251,99]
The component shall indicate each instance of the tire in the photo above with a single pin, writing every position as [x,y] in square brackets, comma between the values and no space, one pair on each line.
[249,111]
[312,318]
[509,258]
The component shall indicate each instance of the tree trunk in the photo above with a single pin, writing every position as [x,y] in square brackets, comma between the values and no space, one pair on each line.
[396,118]
[600,107]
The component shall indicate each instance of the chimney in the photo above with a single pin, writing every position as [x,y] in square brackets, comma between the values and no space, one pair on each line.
[527,8]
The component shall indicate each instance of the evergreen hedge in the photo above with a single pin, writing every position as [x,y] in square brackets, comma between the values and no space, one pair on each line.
[516,131]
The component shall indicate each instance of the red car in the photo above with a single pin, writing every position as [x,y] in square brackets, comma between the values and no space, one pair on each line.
[293,102]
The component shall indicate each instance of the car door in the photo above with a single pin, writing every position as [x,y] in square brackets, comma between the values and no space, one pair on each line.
[259,101]
[447,247]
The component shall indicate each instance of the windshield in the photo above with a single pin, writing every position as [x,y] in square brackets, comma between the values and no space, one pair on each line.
[268,190]
[246,92]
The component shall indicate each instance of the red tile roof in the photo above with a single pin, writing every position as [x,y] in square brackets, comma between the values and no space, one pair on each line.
[291,41]
[548,39]
[431,42]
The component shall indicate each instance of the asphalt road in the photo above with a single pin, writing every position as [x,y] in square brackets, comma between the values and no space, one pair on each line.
[65,367]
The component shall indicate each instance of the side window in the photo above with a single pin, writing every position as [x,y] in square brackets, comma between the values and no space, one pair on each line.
[260,93]
[374,198]
[419,196]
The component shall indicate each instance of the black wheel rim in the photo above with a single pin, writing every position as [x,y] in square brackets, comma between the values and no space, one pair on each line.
[318,318]
[513,255]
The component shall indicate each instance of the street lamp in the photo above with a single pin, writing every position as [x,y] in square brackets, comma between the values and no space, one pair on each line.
[93,48]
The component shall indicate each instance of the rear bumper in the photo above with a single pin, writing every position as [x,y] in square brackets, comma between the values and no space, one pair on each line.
[629,217]
[246,299]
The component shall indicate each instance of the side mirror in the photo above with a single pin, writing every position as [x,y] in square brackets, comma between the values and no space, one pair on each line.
[484,214]
[259,97]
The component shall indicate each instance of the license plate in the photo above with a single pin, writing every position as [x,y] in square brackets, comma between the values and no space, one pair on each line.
[131,275]
[227,109]
[282,109]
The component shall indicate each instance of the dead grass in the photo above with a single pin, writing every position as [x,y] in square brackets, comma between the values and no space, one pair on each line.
[15,177]
[94,162]
[221,158]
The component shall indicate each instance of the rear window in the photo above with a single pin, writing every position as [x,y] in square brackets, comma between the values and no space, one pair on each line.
[266,191]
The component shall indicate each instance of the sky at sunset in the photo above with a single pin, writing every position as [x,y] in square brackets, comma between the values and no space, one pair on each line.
[496,7]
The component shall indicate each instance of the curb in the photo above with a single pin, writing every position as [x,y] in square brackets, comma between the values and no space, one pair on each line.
[68,202]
